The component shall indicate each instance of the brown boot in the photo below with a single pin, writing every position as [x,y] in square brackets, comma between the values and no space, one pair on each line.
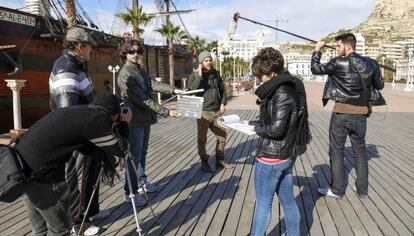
[222,164]
[204,164]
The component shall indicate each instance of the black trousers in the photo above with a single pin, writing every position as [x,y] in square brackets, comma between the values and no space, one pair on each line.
[354,126]
[82,174]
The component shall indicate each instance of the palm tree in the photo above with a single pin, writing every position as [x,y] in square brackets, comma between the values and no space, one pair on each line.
[195,45]
[212,45]
[137,18]
[171,32]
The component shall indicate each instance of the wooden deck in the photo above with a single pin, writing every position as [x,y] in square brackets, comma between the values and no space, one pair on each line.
[191,202]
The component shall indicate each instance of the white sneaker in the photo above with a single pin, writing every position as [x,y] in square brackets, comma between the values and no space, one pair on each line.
[101,214]
[138,199]
[328,193]
[149,188]
[90,231]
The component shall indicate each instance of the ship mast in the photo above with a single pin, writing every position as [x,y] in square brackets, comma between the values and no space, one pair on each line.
[71,13]
[134,3]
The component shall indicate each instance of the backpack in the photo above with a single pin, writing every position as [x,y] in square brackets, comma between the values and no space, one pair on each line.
[13,181]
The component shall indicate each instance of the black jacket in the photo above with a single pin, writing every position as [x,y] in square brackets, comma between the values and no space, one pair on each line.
[69,82]
[283,111]
[48,144]
[214,91]
[349,78]
[136,86]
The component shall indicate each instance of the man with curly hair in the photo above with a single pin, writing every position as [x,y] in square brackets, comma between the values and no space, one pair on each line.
[137,87]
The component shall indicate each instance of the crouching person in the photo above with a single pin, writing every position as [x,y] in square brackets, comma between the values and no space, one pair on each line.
[48,145]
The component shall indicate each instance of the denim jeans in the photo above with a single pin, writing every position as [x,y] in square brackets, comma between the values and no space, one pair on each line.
[268,180]
[48,208]
[138,140]
[354,126]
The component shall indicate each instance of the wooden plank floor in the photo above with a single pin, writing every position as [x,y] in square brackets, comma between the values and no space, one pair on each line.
[191,202]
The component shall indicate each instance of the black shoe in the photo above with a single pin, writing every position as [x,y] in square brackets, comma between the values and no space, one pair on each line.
[359,195]
[222,164]
[205,166]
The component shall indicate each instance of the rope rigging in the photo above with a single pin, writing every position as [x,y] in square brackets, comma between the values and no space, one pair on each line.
[91,24]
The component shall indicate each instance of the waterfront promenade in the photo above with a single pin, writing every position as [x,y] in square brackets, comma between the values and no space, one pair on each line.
[191,202]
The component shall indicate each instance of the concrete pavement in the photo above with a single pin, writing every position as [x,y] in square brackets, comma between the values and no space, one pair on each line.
[397,99]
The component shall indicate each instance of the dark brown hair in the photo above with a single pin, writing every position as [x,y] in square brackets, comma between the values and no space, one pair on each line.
[266,61]
[128,45]
[347,38]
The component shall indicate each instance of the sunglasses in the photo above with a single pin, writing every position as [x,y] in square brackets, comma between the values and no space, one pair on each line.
[132,52]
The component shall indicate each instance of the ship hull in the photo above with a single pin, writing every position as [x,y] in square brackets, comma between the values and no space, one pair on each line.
[37,50]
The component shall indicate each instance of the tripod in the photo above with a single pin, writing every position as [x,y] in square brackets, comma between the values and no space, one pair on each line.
[131,194]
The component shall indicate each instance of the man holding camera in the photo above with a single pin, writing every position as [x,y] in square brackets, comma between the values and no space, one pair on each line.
[70,85]
[351,78]
[214,95]
[48,145]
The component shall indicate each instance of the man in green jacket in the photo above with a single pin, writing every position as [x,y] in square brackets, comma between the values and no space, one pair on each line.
[136,86]
[214,95]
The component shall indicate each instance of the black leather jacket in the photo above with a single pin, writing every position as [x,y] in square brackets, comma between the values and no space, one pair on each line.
[349,78]
[69,82]
[278,123]
[137,87]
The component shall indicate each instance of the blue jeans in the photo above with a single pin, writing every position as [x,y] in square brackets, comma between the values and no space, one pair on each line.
[268,180]
[138,140]
[354,126]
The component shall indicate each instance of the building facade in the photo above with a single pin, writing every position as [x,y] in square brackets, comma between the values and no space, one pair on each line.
[242,48]
[36,7]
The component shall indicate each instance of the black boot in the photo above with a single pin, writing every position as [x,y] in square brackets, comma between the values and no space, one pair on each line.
[222,164]
[204,164]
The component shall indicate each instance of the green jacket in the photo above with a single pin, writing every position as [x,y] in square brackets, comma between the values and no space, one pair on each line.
[214,91]
[137,87]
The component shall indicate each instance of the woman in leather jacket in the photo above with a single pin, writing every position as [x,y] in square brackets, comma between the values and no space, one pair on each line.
[284,133]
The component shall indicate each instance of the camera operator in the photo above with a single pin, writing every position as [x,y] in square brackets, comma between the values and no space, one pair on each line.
[48,145]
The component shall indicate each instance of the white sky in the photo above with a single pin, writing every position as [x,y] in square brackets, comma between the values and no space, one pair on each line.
[310,18]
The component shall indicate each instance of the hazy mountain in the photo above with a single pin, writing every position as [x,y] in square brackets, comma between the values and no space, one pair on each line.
[391,20]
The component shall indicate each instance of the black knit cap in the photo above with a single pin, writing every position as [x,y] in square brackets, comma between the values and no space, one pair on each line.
[109,101]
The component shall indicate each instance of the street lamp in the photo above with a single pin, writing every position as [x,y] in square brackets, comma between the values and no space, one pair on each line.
[382,68]
[220,45]
[234,72]
[407,86]
[113,70]
[394,74]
